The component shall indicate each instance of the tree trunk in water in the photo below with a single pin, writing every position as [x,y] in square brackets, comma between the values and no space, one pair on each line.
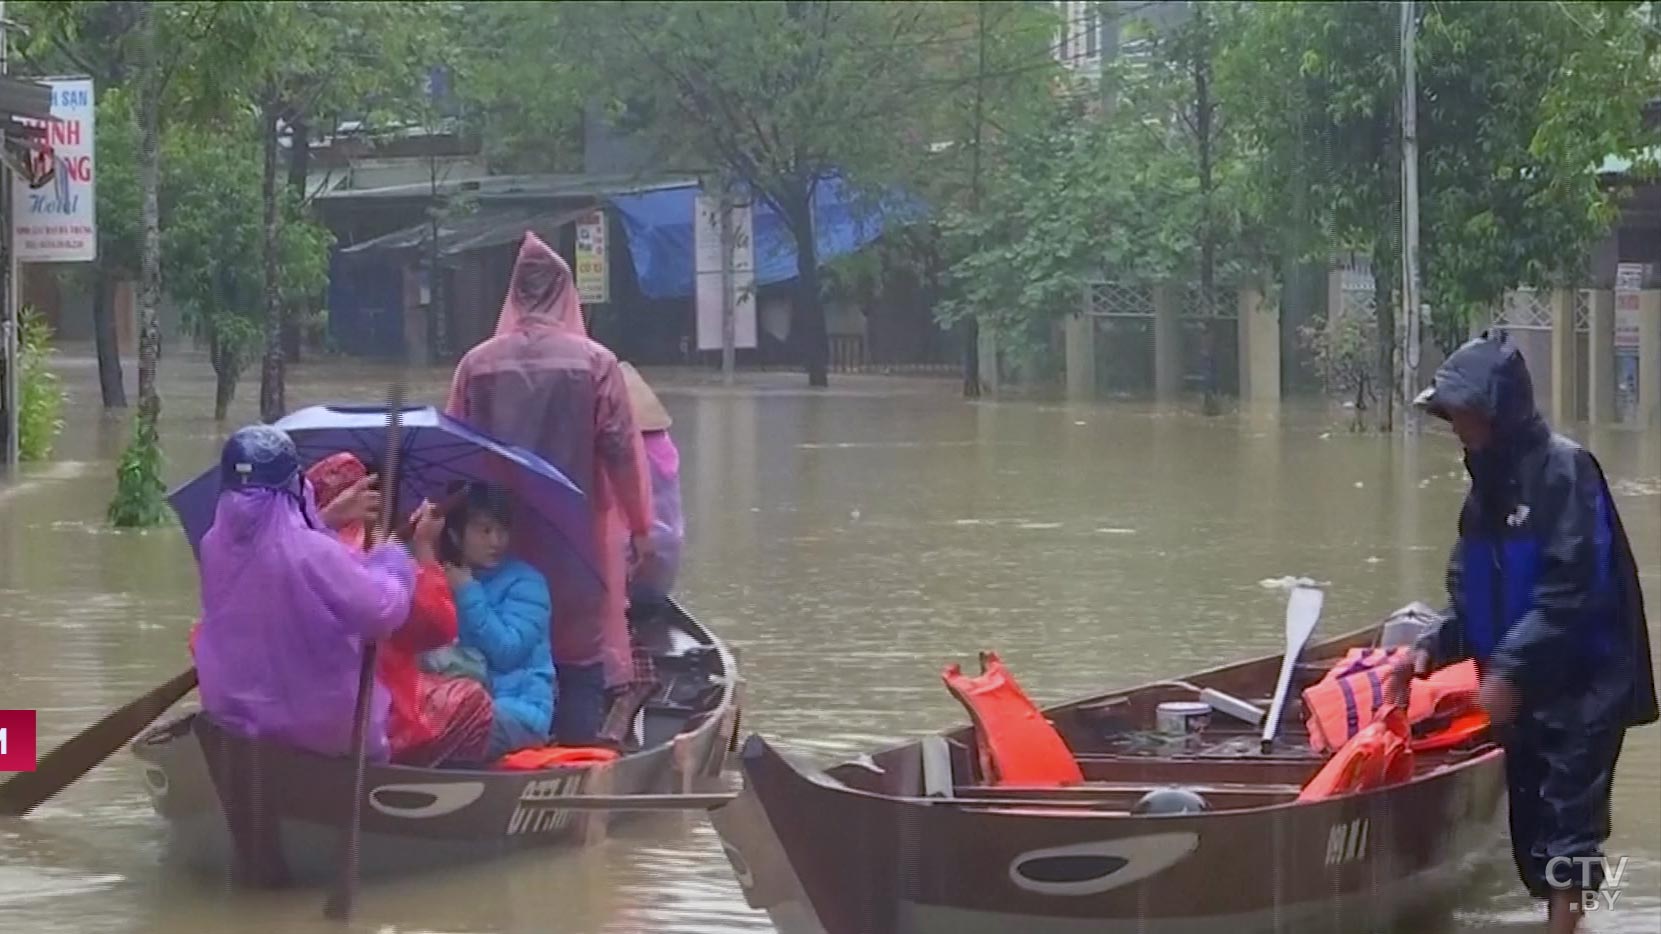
[971,324]
[149,174]
[110,382]
[1208,236]
[809,327]
[224,379]
[272,364]
[1384,375]
[299,163]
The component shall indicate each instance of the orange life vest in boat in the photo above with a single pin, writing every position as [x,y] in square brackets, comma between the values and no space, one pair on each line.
[1467,727]
[1352,695]
[1018,746]
[555,757]
[1377,755]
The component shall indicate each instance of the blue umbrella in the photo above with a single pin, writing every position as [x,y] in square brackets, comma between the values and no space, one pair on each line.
[436,451]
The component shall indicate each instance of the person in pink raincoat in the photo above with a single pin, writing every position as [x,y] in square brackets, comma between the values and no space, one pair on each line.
[652,580]
[287,607]
[542,384]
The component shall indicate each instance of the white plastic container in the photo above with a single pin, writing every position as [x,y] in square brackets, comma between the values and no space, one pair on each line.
[1182,718]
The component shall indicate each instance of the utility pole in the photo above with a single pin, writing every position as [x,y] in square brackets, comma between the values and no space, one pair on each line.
[1410,218]
[8,292]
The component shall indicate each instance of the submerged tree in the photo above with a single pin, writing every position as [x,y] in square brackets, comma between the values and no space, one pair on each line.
[1508,143]
[309,62]
[775,97]
[1140,178]
[95,38]
[212,248]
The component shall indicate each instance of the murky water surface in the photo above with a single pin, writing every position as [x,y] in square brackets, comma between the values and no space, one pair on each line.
[850,543]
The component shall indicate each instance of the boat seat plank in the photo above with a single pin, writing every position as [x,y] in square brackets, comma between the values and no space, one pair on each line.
[1108,768]
[1100,789]
[937,767]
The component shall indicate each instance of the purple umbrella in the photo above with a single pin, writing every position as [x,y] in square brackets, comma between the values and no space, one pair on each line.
[436,451]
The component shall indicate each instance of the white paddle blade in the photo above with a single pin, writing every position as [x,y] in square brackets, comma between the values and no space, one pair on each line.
[1303,611]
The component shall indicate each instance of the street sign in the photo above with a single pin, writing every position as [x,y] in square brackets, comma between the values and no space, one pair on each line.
[54,214]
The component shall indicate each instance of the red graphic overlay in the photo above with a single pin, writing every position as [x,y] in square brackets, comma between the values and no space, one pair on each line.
[17,740]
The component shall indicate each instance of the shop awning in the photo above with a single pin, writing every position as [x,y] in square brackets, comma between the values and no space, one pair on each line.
[482,230]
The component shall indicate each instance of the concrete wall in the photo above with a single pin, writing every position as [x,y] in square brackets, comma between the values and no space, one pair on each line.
[1574,369]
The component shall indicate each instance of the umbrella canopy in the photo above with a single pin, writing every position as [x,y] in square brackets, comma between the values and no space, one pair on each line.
[435,451]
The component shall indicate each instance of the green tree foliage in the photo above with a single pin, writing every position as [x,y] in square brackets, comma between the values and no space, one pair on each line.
[144,47]
[769,96]
[211,247]
[140,497]
[40,402]
[1153,189]
[1517,102]
[525,104]
[1343,348]
[311,61]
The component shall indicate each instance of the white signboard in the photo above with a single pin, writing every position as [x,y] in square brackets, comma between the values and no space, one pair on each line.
[54,218]
[1629,278]
[593,281]
[707,252]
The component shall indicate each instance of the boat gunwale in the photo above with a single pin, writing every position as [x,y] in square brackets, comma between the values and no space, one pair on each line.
[711,720]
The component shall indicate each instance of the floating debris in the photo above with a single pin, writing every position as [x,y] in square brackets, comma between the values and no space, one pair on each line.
[1289,582]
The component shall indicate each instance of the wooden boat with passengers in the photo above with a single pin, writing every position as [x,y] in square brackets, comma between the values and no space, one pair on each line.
[919,839]
[287,824]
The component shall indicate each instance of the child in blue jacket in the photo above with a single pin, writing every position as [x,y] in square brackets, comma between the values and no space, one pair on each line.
[503,613]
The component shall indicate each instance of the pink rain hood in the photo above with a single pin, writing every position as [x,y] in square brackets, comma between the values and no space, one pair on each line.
[541,383]
[286,609]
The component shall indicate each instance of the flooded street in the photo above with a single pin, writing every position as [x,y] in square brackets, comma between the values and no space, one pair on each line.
[849,544]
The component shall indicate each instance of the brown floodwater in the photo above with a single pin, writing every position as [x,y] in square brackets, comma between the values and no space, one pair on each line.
[849,543]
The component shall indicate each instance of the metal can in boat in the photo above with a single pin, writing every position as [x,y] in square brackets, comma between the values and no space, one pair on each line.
[1182,718]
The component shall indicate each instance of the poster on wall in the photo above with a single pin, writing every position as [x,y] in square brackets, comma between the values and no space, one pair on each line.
[54,219]
[706,249]
[593,279]
[1629,279]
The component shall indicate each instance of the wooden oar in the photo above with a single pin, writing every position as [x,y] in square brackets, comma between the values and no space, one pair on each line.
[55,771]
[1303,611]
[339,904]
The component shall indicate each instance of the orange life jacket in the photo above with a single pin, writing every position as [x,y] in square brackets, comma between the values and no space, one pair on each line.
[1018,746]
[1378,755]
[555,757]
[1352,695]
[1470,726]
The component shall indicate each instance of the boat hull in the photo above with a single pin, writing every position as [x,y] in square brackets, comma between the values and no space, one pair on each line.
[824,856]
[281,810]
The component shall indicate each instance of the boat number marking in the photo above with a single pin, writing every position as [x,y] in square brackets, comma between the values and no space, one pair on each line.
[1347,843]
[538,809]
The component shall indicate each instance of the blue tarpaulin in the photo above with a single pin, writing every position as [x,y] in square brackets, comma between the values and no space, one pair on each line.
[659,226]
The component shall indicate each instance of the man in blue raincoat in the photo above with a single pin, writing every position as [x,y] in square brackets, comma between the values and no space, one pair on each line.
[1545,597]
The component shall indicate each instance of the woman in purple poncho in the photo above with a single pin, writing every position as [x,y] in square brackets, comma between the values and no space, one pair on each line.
[287,608]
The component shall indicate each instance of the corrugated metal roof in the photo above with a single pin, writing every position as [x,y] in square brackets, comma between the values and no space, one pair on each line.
[489,228]
[518,187]
[25,98]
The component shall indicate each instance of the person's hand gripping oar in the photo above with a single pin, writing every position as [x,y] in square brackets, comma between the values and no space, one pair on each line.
[339,904]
